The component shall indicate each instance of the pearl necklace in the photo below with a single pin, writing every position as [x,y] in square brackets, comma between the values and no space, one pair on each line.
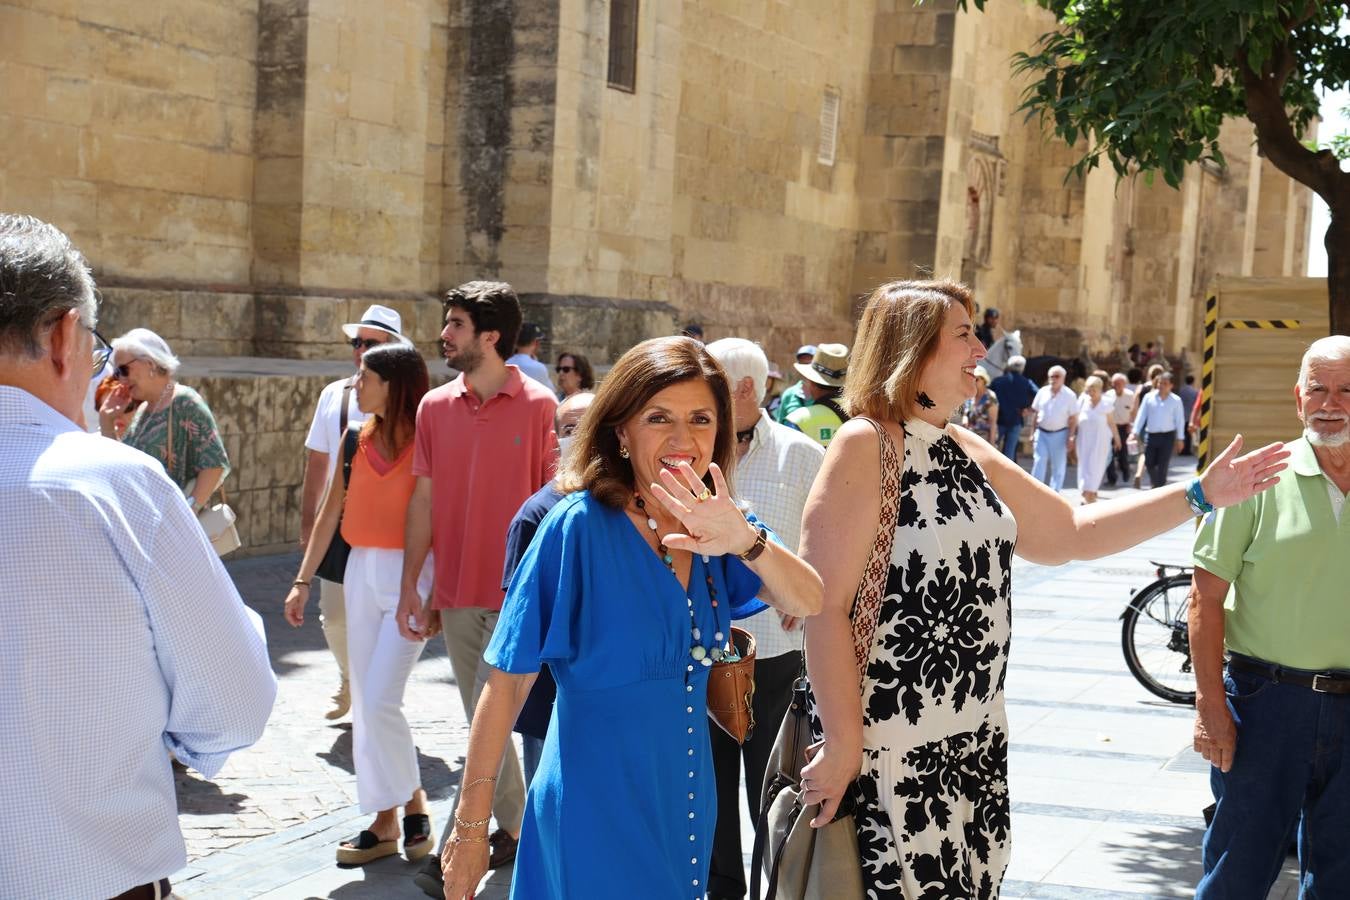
[703,655]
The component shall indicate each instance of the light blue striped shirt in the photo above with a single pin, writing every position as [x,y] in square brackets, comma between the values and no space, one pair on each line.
[121,635]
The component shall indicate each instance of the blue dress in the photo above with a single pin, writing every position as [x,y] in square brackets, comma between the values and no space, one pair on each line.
[623,803]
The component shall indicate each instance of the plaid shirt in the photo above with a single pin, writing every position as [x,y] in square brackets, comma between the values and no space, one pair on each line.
[774,477]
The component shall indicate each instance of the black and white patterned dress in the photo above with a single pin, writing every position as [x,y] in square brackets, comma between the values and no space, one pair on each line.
[932,804]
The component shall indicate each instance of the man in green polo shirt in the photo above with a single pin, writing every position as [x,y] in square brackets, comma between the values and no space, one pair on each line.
[1272,586]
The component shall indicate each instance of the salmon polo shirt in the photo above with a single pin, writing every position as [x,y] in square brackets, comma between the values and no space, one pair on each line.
[484,460]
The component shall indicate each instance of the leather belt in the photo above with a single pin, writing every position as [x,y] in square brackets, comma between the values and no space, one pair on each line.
[1321,682]
[155,890]
[1052,430]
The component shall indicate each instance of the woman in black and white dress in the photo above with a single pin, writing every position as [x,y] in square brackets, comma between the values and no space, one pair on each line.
[921,745]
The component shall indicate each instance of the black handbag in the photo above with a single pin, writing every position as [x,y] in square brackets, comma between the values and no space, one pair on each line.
[333,566]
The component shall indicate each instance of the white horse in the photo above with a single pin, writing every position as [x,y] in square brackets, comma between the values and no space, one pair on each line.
[1002,350]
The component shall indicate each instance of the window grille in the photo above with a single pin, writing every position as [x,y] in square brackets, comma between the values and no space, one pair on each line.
[623,28]
[829,127]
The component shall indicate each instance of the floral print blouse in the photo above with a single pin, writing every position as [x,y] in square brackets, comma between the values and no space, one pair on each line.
[196,439]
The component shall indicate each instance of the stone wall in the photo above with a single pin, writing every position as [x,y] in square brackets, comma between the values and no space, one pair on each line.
[247,175]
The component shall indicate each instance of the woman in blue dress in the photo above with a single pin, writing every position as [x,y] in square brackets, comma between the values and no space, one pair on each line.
[627,592]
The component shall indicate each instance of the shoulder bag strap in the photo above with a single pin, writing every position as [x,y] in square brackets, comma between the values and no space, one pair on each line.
[349,442]
[342,412]
[867,602]
[168,453]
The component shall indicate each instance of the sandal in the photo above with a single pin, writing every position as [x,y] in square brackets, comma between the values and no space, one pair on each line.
[365,847]
[417,841]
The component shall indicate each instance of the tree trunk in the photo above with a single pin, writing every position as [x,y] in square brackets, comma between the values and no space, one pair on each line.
[1338,268]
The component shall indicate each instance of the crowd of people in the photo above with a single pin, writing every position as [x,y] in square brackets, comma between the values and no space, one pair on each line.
[584,562]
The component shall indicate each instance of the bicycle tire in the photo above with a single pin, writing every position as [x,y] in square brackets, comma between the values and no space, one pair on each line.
[1168,589]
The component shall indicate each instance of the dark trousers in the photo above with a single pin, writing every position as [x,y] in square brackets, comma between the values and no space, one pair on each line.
[773,692]
[1120,459]
[1158,456]
[1291,772]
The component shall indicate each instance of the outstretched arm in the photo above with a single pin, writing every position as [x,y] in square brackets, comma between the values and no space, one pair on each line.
[1054,532]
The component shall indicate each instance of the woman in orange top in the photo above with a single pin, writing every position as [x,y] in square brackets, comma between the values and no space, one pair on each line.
[372,508]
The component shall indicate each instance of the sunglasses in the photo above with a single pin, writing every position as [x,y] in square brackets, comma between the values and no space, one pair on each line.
[561,369]
[367,343]
[123,370]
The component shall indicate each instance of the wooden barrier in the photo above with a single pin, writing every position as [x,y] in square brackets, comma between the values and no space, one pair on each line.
[1256,330]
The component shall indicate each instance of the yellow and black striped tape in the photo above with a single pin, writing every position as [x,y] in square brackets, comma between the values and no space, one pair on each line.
[1275,324]
[1207,382]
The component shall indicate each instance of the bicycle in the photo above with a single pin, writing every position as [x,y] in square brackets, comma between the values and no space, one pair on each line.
[1155,635]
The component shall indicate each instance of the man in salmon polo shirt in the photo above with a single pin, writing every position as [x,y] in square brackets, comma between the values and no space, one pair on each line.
[484,445]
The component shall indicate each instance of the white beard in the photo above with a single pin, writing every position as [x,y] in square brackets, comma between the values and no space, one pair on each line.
[1337,439]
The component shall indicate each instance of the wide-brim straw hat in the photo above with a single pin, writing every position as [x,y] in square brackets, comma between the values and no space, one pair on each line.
[828,367]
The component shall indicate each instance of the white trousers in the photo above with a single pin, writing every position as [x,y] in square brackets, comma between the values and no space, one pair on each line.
[379,662]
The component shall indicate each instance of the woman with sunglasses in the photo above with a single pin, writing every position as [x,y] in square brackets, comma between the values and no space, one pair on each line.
[373,507]
[173,423]
[574,375]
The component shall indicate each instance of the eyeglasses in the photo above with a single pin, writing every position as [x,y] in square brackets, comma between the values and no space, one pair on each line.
[102,353]
[367,343]
[123,370]
[561,369]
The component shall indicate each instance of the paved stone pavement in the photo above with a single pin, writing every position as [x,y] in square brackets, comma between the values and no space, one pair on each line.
[1106,791]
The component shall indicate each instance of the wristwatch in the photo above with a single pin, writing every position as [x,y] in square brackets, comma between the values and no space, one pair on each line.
[761,540]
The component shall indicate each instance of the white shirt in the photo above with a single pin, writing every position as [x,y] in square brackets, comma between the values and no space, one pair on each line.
[1053,410]
[121,635]
[1120,412]
[774,477]
[1158,416]
[324,431]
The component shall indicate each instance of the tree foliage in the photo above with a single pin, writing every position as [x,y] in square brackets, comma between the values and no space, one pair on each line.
[1147,84]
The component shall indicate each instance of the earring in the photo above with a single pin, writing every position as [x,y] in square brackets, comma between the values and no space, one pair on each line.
[623,451]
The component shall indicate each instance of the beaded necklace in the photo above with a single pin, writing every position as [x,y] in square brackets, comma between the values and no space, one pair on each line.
[703,655]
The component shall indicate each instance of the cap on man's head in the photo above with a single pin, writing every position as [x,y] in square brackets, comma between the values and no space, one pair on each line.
[1017,363]
[806,350]
[381,318]
[828,366]
[529,333]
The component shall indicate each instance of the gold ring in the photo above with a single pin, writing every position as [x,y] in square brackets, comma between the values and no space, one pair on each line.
[705,495]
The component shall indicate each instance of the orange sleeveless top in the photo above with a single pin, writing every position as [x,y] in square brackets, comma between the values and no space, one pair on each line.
[376,509]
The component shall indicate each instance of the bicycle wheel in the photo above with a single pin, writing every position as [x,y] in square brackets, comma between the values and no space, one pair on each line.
[1156,639]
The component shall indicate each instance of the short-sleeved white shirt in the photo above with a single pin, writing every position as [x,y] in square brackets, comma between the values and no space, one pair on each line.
[323,431]
[1054,410]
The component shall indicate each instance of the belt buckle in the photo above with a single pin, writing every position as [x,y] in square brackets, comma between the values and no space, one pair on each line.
[1324,677]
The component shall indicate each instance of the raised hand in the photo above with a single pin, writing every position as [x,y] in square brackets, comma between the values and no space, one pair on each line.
[1231,478]
[713,526]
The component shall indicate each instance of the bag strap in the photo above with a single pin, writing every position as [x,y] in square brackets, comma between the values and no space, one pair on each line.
[168,453]
[349,442]
[342,411]
[867,603]
[832,404]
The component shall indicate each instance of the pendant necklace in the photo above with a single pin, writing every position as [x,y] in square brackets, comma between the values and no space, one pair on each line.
[703,655]
[165,394]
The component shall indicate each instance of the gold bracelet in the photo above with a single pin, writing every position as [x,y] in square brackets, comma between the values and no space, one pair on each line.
[300,582]
[481,823]
[476,781]
[456,839]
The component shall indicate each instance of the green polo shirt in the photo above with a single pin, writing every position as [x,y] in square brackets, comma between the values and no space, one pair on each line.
[1288,561]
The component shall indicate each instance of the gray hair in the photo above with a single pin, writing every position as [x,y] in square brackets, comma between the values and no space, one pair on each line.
[1017,363]
[42,277]
[742,359]
[143,343]
[1057,370]
[1335,348]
